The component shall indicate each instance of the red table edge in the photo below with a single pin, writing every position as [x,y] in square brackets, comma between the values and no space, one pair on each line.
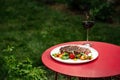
[75,42]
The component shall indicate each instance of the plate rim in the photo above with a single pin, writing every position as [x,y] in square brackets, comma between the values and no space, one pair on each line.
[70,61]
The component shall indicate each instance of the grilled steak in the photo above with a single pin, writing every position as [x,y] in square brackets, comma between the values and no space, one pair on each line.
[74,49]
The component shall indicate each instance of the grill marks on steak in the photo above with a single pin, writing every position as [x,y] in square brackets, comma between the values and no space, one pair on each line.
[74,49]
[69,49]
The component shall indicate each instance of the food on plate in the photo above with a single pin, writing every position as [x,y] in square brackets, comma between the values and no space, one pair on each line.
[74,52]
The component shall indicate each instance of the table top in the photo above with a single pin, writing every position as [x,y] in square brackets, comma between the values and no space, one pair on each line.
[107,64]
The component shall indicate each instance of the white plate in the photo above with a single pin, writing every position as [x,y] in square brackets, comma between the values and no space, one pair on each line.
[70,61]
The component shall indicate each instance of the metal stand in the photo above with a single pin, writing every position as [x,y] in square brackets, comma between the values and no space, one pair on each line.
[56,75]
[83,78]
[68,77]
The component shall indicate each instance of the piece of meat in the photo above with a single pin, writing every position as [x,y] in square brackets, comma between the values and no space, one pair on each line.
[74,49]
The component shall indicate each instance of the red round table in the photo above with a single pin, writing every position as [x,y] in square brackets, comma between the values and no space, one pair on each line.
[107,64]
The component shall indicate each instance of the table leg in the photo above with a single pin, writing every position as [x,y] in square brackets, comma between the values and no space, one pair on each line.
[56,75]
[68,77]
[83,78]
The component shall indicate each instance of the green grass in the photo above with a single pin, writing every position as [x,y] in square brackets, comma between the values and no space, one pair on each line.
[30,28]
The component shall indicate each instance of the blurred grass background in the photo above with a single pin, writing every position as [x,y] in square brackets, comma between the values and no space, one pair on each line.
[29,27]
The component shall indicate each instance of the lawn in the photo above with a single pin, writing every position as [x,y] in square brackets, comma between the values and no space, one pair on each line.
[28,28]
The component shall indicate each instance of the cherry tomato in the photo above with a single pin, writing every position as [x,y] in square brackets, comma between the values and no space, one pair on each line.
[71,56]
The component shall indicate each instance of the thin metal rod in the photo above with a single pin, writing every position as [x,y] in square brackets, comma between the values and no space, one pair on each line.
[87,35]
[83,78]
[68,77]
[56,75]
